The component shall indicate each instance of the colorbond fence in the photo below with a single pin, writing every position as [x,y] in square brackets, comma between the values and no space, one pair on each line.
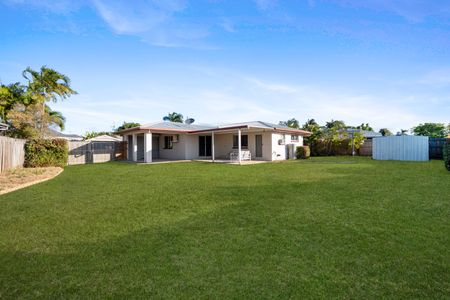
[414,148]
[95,152]
[12,153]
[435,147]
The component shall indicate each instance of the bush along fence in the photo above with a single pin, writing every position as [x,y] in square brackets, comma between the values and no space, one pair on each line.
[46,153]
[302,152]
[12,154]
[329,148]
[446,154]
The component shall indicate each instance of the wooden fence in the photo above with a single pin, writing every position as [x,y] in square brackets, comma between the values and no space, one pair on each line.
[436,145]
[12,153]
[95,152]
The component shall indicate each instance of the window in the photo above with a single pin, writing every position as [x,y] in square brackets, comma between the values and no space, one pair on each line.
[244,141]
[168,142]
[294,138]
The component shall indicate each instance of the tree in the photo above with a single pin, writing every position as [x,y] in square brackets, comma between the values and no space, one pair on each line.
[9,96]
[402,132]
[292,123]
[31,122]
[47,85]
[335,124]
[174,117]
[385,132]
[365,126]
[436,130]
[19,104]
[312,126]
[126,125]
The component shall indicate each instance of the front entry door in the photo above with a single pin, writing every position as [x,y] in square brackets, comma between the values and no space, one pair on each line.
[258,142]
[204,145]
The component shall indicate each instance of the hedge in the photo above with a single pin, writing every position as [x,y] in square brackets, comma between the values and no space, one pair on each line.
[46,153]
[303,152]
[446,155]
[327,148]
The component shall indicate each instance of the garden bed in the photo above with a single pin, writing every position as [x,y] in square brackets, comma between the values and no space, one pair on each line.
[15,179]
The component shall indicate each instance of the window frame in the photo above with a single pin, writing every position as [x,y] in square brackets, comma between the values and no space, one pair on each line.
[168,142]
[236,138]
[296,139]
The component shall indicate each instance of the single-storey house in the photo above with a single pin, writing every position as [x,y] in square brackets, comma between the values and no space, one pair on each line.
[239,141]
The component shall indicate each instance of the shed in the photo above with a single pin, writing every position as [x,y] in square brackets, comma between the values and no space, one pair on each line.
[407,147]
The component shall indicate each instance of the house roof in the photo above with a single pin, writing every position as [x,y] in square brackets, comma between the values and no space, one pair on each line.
[56,134]
[105,138]
[3,126]
[366,133]
[191,128]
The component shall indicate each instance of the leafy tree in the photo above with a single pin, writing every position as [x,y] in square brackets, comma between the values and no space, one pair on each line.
[357,140]
[312,126]
[436,130]
[24,106]
[31,122]
[126,125]
[292,123]
[335,124]
[174,117]
[9,96]
[385,132]
[365,126]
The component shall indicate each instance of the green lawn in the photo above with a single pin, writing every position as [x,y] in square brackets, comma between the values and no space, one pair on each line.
[328,227]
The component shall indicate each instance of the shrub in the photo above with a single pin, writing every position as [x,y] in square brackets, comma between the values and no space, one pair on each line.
[46,153]
[303,152]
[324,147]
[446,155]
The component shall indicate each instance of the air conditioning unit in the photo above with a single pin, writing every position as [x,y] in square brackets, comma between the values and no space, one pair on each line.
[281,142]
[175,138]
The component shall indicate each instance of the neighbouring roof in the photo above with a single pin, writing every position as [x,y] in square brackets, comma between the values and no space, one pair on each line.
[105,138]
[59,135]
[193,128]
[366,133]
[3,126]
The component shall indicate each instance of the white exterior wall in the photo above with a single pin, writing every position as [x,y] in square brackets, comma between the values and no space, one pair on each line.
[179,148]
[279,151]
[187,146]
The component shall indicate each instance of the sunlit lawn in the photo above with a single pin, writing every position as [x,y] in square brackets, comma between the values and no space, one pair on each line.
[327,227]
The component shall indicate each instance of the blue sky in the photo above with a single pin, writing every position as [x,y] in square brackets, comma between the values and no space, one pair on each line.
[377,61]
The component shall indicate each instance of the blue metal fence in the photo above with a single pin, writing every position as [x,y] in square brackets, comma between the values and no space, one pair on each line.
[413,148]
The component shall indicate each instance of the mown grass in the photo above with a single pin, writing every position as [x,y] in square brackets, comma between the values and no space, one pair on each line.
[324,228]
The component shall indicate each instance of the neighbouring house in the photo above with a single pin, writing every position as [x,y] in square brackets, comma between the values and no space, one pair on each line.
[54,134]
[105,138]
[239,141]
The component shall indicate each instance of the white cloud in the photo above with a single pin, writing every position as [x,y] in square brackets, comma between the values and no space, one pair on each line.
[273,87]
[265,4]
[152,20]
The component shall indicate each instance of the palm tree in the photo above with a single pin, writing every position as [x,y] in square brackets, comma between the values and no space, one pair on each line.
[47,85]
[174,117]
[55,117]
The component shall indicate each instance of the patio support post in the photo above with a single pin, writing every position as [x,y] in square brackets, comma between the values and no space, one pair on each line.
[148,147]
[134,147]
[212,143]
[239,146]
